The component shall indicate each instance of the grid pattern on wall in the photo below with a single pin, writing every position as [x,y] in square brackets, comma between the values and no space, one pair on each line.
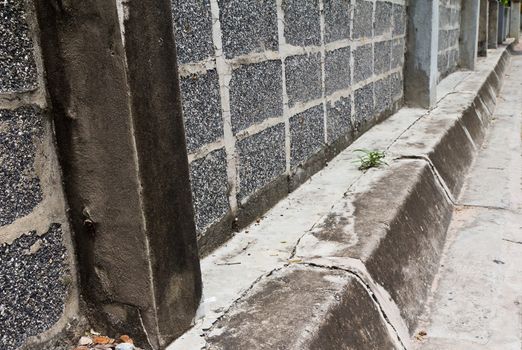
[267,84]
[449,32]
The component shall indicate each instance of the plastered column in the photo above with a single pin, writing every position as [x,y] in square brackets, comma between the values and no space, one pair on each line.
[501,23]
[507,15]
[469,33]
[493,24]
[421,59]
[483,28]
[113,84]
[514,19]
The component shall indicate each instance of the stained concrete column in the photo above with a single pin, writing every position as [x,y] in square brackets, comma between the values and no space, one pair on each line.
[501,23]
[469,33]
[420,81]
[113,84]
[483,28]
[514,20]
[507,14]
[493,24]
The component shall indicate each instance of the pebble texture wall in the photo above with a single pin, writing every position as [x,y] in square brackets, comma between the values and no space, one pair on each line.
[449,32]
[36,282]
[269,86]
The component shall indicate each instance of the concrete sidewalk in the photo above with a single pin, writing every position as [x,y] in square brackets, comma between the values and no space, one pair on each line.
[477,295]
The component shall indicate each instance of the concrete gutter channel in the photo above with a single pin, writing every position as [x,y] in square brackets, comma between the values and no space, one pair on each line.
[348,259]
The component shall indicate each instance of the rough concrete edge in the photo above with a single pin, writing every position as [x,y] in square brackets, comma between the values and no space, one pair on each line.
[493,83]
[484,98]
[353,267]
[407,206]
[389,311]
[487,92]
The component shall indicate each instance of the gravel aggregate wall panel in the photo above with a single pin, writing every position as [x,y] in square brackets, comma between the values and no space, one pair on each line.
[303,78]
[338,114]
[256,94]
[306,134]
[337,14]
[209,180]
[261,159]
[18,71]
[248,26]
[193,27]
[201,109]
[337,69]
[20,130]
[33,276]
[302,22]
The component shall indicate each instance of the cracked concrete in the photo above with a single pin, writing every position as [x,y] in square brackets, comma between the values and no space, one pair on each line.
[365,237]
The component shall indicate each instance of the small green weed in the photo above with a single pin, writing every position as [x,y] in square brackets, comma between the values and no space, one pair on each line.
[370,159]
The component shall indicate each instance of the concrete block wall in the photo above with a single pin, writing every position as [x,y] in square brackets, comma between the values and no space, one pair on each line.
[37,275]
[272,88]
[449,32]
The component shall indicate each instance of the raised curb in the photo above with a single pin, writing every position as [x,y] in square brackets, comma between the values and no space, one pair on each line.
[449,135]
[394,222]
[387,231]
[333,308]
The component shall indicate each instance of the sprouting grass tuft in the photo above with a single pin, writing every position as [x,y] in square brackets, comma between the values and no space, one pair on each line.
[370,159]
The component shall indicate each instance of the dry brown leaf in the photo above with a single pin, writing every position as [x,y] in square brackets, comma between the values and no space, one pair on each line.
[101,339]
[126,339]
[81,348]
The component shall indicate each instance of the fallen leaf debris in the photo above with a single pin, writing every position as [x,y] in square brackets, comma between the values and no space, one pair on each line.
[95,341]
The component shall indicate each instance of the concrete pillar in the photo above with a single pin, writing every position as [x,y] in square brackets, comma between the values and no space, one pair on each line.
[113,84]
[469,33]
[514,20]
[493,24]
[483,28]
[506,22]
[507,17]
[501,23]
[420,80]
